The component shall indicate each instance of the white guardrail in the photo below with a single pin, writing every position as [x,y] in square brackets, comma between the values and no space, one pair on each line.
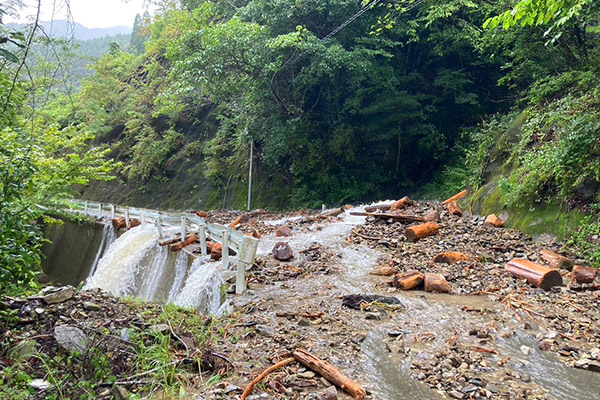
[245,246]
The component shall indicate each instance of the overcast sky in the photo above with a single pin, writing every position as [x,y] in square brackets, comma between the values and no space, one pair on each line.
[89,13]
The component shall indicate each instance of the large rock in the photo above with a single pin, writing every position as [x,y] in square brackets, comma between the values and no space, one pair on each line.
[58,295]
[71,338]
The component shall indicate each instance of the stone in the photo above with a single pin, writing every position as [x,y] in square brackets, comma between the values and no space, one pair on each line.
[372,316]
[328,394]
[59,295]
[526,350]
[71,338]
[455,394]
[126,334]
[91,306]
[265,330]
[307,375]
[23,350]
[159,328]
[39,384]
[303,322]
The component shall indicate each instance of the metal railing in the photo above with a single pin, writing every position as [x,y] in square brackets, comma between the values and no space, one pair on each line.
[245,246]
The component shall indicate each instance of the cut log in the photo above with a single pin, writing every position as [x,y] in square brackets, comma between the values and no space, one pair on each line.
[384,270]
[455,197]
[584,274]
[216,251]
[284,231]
[436,283]
[201,214]
[432,216]
[381,207]
[399,217]
[282,251]
[408,280]
[536,274]
[119,223]
[454,209]
[134,222]
[189,240]
[242,219]
[420,231]
[450,257]
[331,373]
[255,234]
[400,204]
[557,261]
[493,220]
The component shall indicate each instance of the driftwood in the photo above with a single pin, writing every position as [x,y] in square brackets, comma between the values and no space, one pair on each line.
[242,219]
[189,240]
[557,261]
[584,274]
[536,274]
[450,257]
[454,209]
[433,216]
[455,197]
[201,214]
[408,280]
[332,213]
[331,373]
[493,220]
[282,251]
[436,283]
[284,231]
[420,231]
[384,270]
[381,207]
[400,204]
[400,217]
[266,372]
[119,223]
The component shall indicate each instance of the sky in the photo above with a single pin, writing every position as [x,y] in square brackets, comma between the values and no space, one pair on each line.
[89,13]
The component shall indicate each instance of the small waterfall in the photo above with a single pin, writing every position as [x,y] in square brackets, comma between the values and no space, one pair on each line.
[202,289]
[118,270]
[181,266]
[108,237]
[154,274]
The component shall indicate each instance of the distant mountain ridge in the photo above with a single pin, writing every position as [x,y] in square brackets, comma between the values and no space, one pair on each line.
[63,28]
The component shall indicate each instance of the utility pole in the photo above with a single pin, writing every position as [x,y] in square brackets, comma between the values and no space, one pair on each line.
[250,175]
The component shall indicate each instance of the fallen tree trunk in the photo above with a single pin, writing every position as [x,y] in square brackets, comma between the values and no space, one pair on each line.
[400,204]
[584,274]
[400,217]
[455,197]
[493,220]
[436,283]
[189,240]
[408,280]
[450,257]
[557,261]
[331,373]
[420,231]
[454,209]
[536,274]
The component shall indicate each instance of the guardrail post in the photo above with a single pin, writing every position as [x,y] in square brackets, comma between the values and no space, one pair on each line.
[246,255]
[112,211]
[99,210]
[85,208]
[159,227]
[225,250]
[143,220]
[127,217]
[203,240]
[183,219]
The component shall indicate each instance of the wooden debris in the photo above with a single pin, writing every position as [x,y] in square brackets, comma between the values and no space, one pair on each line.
[455,197]
[242,219]
[584,274]
[493,220]
[170,241]
[400,204]
[536,274]
[134,222]
[408,280]
[433,216]
[454,209]
[450,257]
[119,223]
[216,251]
[556,261]
[282,251]
[284,231]
[384,270]
[420,231]
[202,214]
[436,283]
[255,234]
[357,301]
[331,373]
[381,207]
[266,372]
[332,213]
[399,217]
[189,240]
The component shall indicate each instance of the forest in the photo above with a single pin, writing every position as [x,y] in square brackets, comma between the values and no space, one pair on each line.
[331,102]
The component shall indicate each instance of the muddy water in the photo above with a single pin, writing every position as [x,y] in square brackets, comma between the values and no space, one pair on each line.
[387,375]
